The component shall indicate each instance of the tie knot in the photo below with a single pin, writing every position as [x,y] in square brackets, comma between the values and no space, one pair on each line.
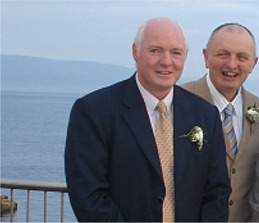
[229,109]
[161,107]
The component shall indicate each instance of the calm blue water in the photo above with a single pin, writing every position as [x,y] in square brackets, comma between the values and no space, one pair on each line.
[33,132]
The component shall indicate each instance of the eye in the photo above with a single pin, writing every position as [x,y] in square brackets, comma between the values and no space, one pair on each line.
[222,55]
[154,50]
[243,57]
[177,53]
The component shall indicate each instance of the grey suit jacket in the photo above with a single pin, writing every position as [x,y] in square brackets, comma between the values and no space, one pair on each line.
[242,168]
[254,199]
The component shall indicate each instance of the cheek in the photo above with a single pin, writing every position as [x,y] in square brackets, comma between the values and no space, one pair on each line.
[214,63]
[146,60]
[245,69]
[178,63]
[147,65]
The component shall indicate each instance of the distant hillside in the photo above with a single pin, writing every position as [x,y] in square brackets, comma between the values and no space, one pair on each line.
[24,73]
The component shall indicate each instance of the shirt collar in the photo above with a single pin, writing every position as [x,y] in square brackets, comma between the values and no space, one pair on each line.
[151,101]
[219,100]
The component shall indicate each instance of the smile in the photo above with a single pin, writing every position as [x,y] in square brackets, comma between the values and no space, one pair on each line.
[229,74]
[164,72]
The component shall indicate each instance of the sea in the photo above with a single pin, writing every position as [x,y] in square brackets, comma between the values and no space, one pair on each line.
[33,133]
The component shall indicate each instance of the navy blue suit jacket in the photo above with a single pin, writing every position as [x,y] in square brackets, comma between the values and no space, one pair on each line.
[112,167]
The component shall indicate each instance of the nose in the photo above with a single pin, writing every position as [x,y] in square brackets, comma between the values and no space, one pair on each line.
[232,62]
[166,59]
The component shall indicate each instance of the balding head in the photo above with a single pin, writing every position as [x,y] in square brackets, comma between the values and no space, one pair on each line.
[232,28]
[230,57]
[157,23]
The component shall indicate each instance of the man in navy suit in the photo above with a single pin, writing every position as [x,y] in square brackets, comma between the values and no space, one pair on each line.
[112,165]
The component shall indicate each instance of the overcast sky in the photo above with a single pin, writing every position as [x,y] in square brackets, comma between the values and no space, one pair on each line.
[103,31]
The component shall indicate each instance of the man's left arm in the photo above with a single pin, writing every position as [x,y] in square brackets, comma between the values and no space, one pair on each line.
[254,198]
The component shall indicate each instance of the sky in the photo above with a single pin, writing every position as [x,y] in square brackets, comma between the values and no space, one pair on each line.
[103,31]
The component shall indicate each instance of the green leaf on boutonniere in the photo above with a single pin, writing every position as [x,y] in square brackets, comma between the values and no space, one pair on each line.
[196,135]
[252,115]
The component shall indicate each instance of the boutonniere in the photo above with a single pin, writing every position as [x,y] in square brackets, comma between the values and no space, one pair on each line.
[252,115]
[196,135]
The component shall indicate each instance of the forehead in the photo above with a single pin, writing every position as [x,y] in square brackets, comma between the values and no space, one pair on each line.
[163,34]
[236,40]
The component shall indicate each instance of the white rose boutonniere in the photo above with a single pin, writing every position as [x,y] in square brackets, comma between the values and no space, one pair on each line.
[195,135]
[252,115]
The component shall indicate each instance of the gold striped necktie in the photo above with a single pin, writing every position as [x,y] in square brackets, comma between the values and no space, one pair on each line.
[164,141]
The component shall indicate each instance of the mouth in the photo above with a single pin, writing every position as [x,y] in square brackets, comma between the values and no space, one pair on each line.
[229,74]
[164,72]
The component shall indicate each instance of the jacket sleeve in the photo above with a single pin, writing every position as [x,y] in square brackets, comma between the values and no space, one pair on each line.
[86,167]
[254,198]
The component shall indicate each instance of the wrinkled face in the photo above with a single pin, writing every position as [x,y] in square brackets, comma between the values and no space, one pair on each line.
[160,58]
[230,59]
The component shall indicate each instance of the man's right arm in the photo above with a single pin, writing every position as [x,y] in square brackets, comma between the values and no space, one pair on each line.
[86,167]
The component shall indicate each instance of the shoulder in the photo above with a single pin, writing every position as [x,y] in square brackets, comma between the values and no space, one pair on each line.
[192,98]
[106,94]
[249,99]
[194,85]
[109,98]
[99,101]
[249,96]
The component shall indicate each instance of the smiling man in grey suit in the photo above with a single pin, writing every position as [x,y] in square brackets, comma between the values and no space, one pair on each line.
[230,57]
[112,161]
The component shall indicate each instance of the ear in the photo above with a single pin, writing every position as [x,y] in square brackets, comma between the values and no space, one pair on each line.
[205,55]
[134,51]
[255,62]
[187,51]
[253,66]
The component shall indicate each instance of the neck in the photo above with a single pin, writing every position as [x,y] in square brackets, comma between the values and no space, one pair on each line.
[230,96]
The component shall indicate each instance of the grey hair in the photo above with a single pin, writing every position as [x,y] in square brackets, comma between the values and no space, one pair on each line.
[139,35]
[140,32]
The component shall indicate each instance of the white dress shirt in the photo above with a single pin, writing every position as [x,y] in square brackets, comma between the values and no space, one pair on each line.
[151,102]
[221,102]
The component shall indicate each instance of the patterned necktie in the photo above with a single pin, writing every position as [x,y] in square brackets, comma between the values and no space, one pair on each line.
[228,125]
[164,141]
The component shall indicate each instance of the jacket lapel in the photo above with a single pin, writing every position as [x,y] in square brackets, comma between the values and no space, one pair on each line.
[136,117]
[245,138]
[182,125]
[205,93]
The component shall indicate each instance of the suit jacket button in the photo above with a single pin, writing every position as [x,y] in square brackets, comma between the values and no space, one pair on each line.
[234,170]
[160,199]
[231,202]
